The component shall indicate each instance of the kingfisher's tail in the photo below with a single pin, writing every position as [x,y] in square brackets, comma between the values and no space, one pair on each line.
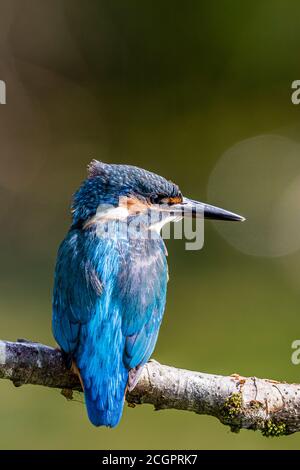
[100,417]
[104,396]
[102,370]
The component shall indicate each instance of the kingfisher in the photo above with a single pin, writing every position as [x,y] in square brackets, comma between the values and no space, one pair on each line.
[111,279]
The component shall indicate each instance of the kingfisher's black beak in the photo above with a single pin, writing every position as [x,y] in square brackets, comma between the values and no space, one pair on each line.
[195,209]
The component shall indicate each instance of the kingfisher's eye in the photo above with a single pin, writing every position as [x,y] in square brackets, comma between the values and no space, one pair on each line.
[157,198]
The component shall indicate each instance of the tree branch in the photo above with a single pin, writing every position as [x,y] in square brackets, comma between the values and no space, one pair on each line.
[240,402]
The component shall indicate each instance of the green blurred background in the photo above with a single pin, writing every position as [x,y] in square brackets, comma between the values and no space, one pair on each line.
[200,92]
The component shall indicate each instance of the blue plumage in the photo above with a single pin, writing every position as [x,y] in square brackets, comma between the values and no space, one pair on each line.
[107,310]
[111,279]
[108,303]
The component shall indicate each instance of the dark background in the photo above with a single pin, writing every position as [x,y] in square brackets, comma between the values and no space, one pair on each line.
[200,92]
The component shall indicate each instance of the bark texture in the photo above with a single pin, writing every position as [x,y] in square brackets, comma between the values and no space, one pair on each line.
[240,402]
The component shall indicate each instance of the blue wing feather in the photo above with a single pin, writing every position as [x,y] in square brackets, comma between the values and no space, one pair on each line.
[74,296]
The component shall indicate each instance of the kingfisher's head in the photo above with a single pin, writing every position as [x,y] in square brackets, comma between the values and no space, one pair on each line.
[119,192]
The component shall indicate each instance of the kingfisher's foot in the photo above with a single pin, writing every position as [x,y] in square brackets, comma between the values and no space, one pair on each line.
[133,377]
[76,371]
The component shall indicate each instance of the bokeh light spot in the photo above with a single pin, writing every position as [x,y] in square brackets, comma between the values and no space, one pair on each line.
[260,179]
